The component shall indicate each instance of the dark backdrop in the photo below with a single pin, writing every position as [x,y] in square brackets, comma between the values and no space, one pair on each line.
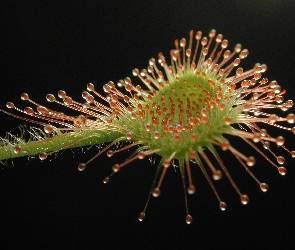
[50,205]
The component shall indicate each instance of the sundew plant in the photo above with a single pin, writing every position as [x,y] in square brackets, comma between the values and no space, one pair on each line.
[181,108]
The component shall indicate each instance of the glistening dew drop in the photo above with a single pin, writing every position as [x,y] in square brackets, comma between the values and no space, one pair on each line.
[182,110]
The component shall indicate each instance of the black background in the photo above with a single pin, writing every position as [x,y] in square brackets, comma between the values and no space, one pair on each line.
[51,205]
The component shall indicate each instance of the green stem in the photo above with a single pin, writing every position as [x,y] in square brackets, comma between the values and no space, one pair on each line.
[57,142]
